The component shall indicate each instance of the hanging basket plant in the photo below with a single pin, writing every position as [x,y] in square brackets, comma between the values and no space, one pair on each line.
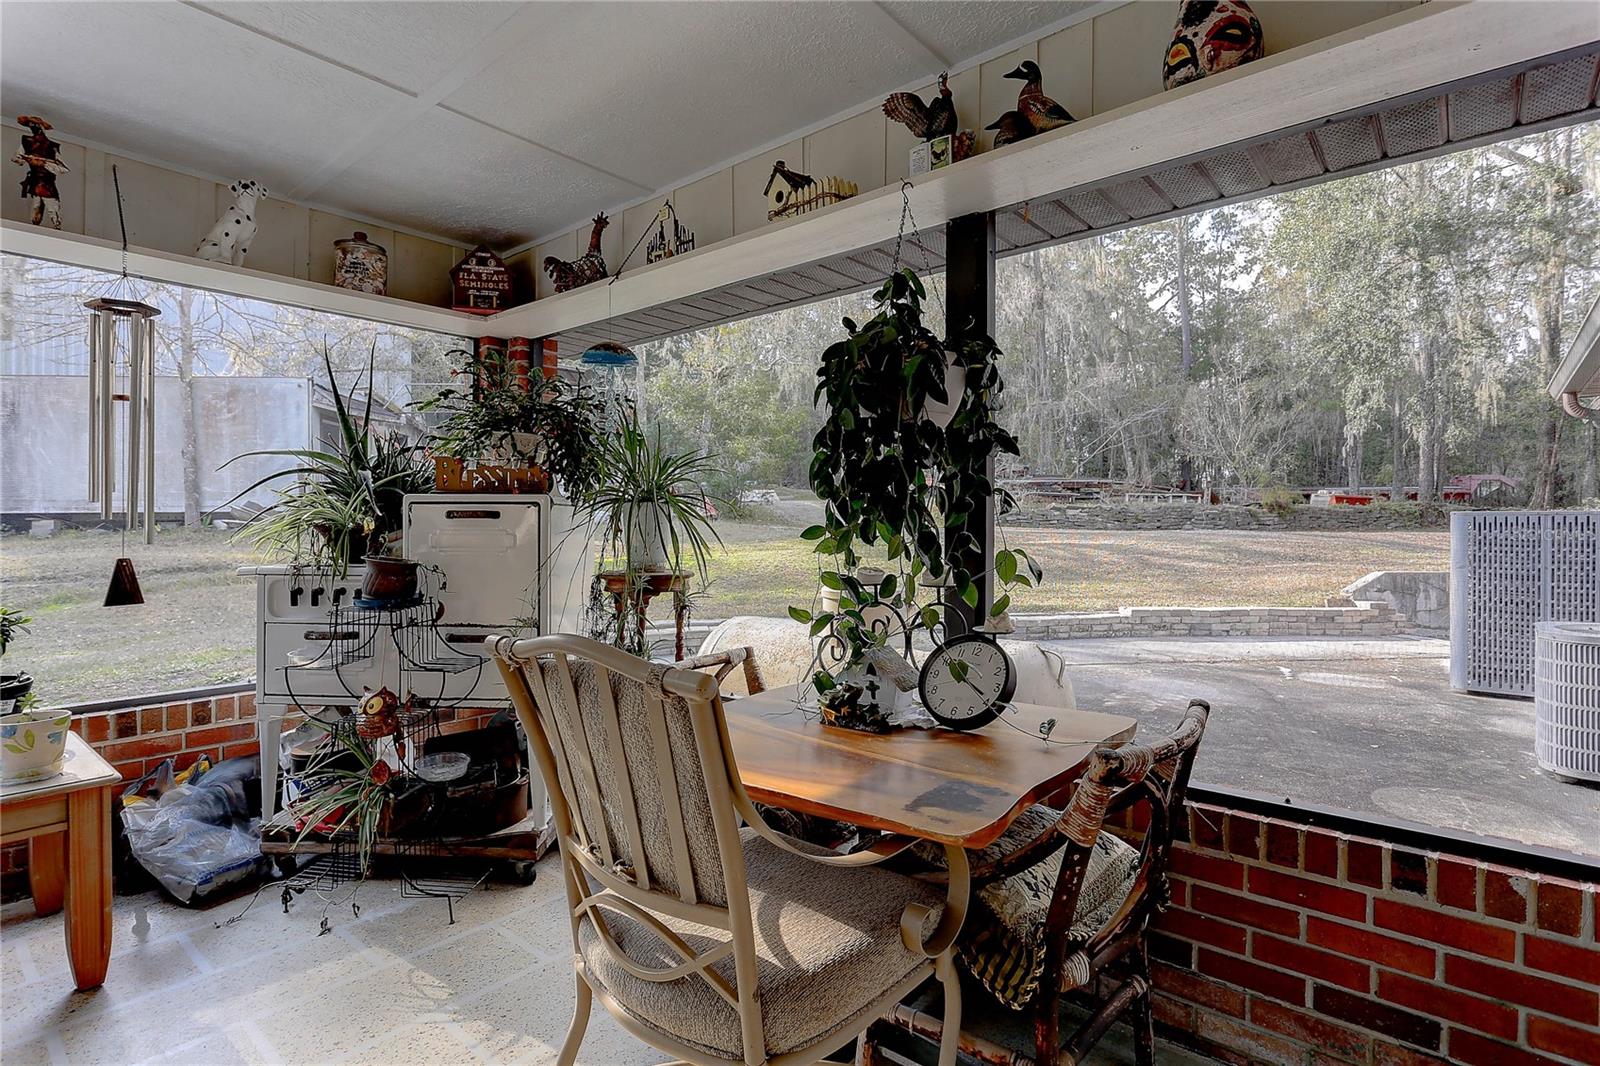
[900,466]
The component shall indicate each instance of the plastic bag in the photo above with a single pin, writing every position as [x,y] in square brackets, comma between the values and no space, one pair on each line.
[199,837]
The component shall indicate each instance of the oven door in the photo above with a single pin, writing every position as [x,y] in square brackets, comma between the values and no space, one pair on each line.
[488,548]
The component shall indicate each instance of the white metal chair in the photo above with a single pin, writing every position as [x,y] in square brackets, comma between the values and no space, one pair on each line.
[711,942]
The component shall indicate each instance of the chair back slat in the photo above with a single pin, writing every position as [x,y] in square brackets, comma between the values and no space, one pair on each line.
[638,866]
[591,801]
[666,773]
[565,785]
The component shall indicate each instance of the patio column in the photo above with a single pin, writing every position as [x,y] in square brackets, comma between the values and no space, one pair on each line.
[969,313]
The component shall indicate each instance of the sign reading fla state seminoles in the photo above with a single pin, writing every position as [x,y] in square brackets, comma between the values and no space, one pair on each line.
[480,283]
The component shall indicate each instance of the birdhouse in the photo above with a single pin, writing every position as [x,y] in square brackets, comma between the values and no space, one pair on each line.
[790,192]
[480,284]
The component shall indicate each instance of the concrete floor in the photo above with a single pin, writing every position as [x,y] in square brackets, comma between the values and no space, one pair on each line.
[1369,726]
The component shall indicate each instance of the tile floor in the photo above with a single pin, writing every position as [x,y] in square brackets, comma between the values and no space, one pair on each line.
[397,984]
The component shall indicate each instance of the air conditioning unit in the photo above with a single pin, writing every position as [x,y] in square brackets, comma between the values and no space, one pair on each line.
[1509,571]
[1566,699]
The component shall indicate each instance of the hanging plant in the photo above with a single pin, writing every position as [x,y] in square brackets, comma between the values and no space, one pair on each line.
[893,479]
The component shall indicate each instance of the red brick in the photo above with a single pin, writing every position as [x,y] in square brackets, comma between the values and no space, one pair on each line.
[1496,1019]
[1363,863]
[220,734]
[142,748]
[1559,1038]
[1386,1054]
[247,704]
[1205,827]
[129,769]
[1309,1029]
[1238,1037]
[1226,905]
[1364,944]
[1283,845]
[1563,960]
[1322,853]
[1330,899]
[1402,1025]
[76,726]
[1244,835]
[1497,982]
[1408,872]
[243,749]
[1179,892]
[125,724]
[1173,1012]
[1465,933]
[1197,989]
[178,716]
[1475,1050]
[1456,884]
[151,721]
[1506,895]
[99,726]
[1560,907]
[1284,986]
[200,712]
[1207,868]
[224,709]
[1322,965]
[1204,930]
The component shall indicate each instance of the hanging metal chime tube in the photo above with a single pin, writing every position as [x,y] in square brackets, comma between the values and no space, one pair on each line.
[122,350]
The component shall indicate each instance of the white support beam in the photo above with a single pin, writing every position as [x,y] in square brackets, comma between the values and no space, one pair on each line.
[1405,53]
[96,254]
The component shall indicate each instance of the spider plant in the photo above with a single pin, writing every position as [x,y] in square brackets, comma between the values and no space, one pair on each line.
[348,497]
[354,790]
[651,502]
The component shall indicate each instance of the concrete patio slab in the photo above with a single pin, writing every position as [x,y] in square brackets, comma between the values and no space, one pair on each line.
[1368,726]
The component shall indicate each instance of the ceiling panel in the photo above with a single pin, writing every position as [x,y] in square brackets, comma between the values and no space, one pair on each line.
[625,86]
[409,44]
[958,29]
[451,174]
[168,82]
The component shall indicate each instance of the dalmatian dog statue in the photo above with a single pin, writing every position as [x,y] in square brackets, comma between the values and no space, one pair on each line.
[232,234]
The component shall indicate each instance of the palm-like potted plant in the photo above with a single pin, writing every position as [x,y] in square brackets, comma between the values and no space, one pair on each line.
[347,500]
[13,686]
[652,502]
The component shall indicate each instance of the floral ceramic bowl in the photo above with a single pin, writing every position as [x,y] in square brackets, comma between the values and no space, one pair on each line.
[32,744]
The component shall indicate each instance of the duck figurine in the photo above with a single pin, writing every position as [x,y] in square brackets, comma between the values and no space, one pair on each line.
[1039,112]
[1010,128]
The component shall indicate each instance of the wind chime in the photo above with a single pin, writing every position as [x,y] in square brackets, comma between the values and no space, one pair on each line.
[122,371]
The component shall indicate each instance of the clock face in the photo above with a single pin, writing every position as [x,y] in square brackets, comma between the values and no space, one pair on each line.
[967,681]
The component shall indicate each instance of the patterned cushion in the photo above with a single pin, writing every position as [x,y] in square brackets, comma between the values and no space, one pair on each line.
[827,945]
[1003,941]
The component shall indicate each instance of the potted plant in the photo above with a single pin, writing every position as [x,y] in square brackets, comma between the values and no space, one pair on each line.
[551,424]
[651,502]
[14,686]
[899,465]
[347,500]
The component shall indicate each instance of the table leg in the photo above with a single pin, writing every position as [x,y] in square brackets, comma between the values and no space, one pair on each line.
[88,895]
[680,612]
[47,871]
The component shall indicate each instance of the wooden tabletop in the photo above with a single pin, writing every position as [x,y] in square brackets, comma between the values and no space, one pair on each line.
[82,768]
[937,784]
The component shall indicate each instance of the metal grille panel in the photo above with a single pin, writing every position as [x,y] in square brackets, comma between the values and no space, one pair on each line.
[1094,208]
[1186,185]
[1287,159]
[1557,89]
[1510,571]
[1138,198]
[1414,127]
[1566,699]
[1234,173]
[1480,109]
[1349,143]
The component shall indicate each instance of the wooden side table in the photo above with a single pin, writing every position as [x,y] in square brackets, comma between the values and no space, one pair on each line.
[646,586]
[66,821]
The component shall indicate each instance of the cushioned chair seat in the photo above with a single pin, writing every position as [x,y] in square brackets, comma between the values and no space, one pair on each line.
[1003,941]
[827,942]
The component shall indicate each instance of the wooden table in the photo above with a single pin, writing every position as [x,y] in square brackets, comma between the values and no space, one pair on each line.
[957,789]
[66,820]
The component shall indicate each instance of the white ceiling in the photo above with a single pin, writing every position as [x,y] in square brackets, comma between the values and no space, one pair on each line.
[494,122]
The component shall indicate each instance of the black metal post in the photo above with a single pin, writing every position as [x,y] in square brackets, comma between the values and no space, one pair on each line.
[969,314]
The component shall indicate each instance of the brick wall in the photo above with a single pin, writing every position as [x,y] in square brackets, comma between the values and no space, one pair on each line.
[1291,944]
[1366,620]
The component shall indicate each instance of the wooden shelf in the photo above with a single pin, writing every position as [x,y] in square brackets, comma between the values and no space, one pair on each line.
[1399,56]
[97,254]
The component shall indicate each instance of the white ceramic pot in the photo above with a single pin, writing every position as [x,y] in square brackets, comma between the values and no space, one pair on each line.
[955,383]
[32,744]
[649,539]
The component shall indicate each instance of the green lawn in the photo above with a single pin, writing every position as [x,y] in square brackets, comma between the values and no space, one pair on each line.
[197,625]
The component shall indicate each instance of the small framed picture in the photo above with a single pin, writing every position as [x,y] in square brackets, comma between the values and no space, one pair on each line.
[941,152]
[921,158]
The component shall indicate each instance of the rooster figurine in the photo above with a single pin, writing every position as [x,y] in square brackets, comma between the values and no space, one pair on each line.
[931,121]
[1039,113]
[589,267]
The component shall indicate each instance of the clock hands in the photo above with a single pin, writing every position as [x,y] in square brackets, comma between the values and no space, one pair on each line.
[961,675]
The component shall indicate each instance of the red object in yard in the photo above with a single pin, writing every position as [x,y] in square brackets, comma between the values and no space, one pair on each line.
[1350,499]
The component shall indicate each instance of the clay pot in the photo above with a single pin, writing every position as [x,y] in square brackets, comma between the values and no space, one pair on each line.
[390,579]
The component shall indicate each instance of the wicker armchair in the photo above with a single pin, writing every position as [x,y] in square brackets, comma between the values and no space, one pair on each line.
[1061,909]
[714,943]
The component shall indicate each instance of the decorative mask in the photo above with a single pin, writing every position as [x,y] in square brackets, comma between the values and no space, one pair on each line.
[1210,36]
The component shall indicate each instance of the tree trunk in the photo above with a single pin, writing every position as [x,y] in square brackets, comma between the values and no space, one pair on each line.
[1185,463]
[187,352]
[1353,453]
[1428,432]
[1397,445]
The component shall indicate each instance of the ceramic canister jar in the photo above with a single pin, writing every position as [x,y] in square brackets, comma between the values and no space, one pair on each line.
[360,265]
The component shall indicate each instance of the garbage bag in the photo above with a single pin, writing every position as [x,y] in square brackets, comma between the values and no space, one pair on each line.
[201,835]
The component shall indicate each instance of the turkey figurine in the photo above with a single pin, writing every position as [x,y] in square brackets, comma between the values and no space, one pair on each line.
[932,120]
[1039,111]
[589,267]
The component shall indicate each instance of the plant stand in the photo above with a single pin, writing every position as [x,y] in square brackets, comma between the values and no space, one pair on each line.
[645,586]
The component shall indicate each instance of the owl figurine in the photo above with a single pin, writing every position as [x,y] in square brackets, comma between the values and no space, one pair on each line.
[1211,36]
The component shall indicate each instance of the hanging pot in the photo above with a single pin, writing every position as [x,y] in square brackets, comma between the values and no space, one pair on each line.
[955,384]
